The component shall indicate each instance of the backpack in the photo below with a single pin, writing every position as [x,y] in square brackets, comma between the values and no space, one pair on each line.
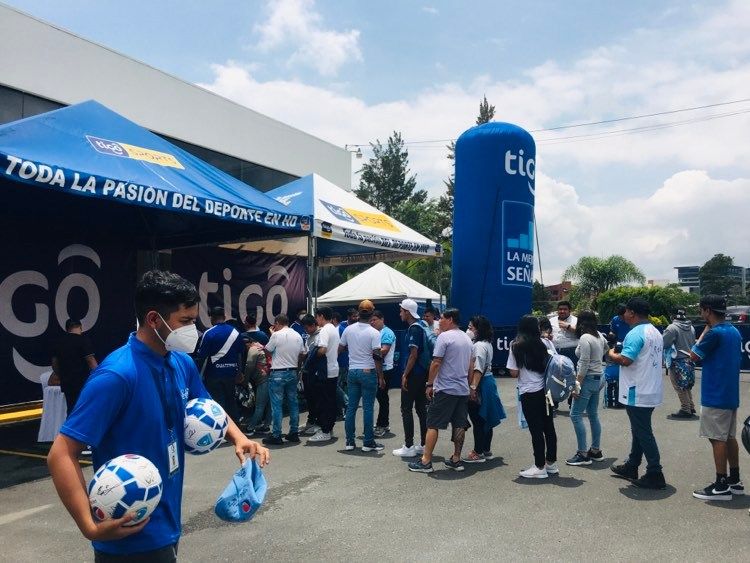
[559,377]
[684,371]
[428,340]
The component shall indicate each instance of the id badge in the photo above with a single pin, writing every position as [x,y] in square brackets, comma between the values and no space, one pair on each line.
[174,461]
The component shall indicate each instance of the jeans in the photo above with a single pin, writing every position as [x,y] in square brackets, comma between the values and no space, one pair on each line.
[541,426]
[326,391]
[384,404]
[262,412]
[283,384]
[341,398]
[363,385]
[221,390]
[312,396]
[482,437]
[414,397]
[588,402]
[644,443]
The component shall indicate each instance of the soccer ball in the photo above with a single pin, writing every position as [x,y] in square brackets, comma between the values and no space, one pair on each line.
[127,484]
[205,426]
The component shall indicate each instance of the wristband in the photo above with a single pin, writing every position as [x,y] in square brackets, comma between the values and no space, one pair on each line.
[428,384]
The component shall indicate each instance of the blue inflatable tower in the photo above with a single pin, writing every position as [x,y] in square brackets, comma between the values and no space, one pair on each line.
[493,223]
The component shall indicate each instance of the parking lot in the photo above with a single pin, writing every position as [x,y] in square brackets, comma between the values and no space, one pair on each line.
[325,504]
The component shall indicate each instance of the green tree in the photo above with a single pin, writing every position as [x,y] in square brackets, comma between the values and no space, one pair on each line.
[663,300]
[595,275]
[714,276]
[387,183]
[541,299]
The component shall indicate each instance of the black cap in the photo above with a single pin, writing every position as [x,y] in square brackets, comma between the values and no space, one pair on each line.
[717,303]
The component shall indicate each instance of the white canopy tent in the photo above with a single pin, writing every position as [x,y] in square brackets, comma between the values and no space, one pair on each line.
[381,284]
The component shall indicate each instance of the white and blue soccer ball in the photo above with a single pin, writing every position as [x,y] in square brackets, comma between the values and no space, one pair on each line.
[127,484]
[205,426]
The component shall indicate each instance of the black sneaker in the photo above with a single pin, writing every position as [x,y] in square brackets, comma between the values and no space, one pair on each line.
[372,447]
[715,491]
[737,488]
[681,414]
[419,467]
[578,459]
[454,465]
[625,471]
[488,455]
[595,456]
[292,437]
[653,481]
[273,441]
[262,429]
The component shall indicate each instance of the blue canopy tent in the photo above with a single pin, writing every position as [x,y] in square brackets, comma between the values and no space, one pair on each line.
[87,168]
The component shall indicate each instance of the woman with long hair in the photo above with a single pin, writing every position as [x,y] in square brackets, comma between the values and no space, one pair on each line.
[590,351]
[527,361]
[485,409]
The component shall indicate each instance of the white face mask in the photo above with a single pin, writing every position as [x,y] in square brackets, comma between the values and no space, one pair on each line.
[470,334]
[183,339]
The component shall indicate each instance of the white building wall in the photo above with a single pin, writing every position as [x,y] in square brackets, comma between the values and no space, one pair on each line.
[41,59]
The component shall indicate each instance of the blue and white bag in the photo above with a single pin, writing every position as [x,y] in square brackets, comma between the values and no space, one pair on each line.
[244,494]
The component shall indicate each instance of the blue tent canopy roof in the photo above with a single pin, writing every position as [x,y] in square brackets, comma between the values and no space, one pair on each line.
[87,165]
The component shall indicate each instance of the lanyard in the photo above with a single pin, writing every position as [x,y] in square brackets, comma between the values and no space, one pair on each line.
[161,383]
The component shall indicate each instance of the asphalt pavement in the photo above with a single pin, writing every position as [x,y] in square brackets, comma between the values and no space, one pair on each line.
[325,504]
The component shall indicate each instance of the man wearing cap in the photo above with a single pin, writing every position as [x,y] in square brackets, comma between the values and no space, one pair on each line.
[448,387]
[678,339]
[365,375]
[719,351]
[640,390]
[413,381]
[220,354]
[72,361]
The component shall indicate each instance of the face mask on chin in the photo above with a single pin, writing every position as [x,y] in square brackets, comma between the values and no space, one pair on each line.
[183,339]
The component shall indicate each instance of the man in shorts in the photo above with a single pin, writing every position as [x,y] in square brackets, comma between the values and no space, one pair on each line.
[448,387]
[719,351]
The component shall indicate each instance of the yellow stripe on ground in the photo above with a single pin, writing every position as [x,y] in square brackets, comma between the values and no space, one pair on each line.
[37,456]
[18,416]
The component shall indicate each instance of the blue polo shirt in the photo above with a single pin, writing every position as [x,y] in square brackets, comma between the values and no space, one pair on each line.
[223,347]
[120,412]
[720,351]
[619,327]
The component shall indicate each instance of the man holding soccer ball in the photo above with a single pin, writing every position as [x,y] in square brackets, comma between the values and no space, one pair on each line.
[134,403]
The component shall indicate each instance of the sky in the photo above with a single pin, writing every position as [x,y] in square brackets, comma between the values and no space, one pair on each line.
[663,191]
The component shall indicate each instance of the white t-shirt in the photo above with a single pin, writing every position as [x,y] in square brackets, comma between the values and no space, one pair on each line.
[528,381]
[482,353]
[329,337]
[641,382]
[564,338]
[361,339]
[285,346]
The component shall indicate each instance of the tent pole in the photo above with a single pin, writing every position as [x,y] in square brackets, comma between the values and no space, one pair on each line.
[312,270]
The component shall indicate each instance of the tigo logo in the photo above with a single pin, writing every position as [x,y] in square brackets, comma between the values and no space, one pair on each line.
[116,148]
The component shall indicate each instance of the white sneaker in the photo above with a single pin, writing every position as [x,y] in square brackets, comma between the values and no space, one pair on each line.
[311,430]
[403,451]
[320,437]
[552,468]
[419,449]
[534,472]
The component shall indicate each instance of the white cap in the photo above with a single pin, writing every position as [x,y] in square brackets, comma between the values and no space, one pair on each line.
[411,306]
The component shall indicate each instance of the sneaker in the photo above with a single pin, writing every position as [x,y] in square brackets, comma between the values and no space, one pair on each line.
[311,430]
[320,436]
[454,465]
[372,447]
[681,414]
[579,459]
[292,437]
[381,431]
[488,455]
[625,471]
[419,449]
[715,491]
[273,441]
[654,481]
[473,457]
[534,472]
[86,452]
[552,468]
[349,446]
[737,488]
[595,456]
[419,467]
[405,451]
[262,430]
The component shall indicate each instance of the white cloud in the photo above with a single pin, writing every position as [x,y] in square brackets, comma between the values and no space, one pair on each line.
[295,25]
[676,221]
[432,10]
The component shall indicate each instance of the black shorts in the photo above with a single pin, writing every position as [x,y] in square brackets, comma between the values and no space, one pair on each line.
[446,409]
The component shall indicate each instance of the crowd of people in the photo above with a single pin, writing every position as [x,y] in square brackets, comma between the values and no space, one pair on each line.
[131,401]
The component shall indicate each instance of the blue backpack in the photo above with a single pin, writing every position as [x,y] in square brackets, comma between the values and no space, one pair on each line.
[559,377]
[428,340]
